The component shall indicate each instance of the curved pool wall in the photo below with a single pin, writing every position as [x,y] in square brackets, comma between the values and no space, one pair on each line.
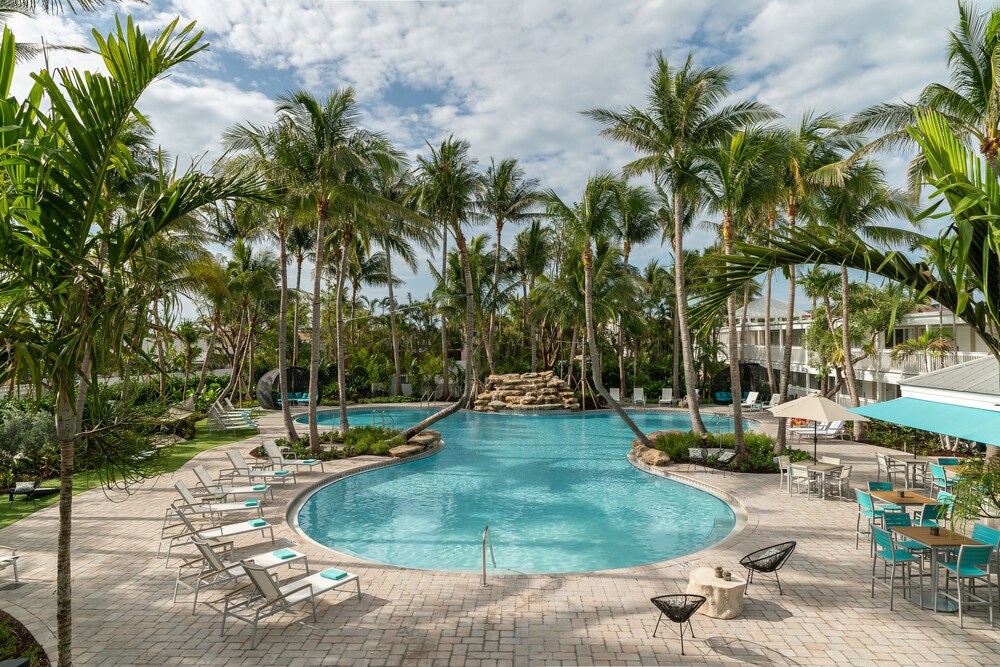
[557,491]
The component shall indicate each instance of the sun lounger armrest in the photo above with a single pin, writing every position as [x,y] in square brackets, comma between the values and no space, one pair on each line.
[8,548]
[240,590]
[285,595]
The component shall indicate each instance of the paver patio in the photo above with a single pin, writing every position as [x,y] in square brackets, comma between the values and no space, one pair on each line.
[123,614]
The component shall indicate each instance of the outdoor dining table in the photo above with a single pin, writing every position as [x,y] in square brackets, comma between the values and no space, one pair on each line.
[945,539]
[909,498]
[953,469]
[820,469]
[911,463]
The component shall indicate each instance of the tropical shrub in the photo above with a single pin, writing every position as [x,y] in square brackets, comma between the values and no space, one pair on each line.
[894,436]
[760,449]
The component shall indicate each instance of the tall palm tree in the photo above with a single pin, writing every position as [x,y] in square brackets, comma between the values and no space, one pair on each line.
[60,255]
[931,342]
[683,112]
[738,177]
[592,221]
[447,189]
[301,237]
[532,249]
[970,105]
[506,196]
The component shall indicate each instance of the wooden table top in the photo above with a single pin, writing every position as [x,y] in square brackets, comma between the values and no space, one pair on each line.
[954,469]
[946,538]
[909,460]
[909,498]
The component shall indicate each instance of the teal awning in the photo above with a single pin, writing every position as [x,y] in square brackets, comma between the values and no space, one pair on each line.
[958,421]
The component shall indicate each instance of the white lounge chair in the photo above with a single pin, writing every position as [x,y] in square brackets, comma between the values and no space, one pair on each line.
[264,597]
[278,459]
[209,487]
[667,396]
[750,400]
[209,505]
[829,430]
[8,558]
[773,403]
[242,469]
[616,394]
[214,533]
[639,396]
[209,570]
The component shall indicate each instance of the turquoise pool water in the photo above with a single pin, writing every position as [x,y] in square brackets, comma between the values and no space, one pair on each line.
[556,491]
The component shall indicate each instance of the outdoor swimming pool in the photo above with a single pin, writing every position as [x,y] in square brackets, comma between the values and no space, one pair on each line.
[556,491]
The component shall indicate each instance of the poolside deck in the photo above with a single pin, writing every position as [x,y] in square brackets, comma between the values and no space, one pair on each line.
[123,614]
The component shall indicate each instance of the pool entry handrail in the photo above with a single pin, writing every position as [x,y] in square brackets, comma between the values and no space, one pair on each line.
[487,538]
[383,414]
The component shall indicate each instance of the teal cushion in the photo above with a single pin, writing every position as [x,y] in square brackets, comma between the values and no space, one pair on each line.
[252,503]
[257,523]
[260,487]
[279,473]
[311,461]
[284,554]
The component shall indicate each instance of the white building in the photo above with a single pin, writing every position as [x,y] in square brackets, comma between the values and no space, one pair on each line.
[879,376]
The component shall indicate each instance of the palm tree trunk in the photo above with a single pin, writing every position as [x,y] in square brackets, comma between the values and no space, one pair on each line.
[572,357]
[339,315]
[295,316]
[463,255]
[767,332]
[397,372]
[676,361]
[734,348]
[445,391]
[786,353]
[286,410]
[690,379]
[743,317]
[849,375]
[161,352]
[204,362]
[321,214]
[496,290]
[65,433]
[595,357]
[534,326]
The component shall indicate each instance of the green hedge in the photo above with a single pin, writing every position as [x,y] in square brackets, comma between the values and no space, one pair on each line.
[760,449]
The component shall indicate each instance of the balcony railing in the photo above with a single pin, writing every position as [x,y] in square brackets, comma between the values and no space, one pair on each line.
[881,363]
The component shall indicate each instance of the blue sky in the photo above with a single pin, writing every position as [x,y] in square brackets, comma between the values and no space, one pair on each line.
[512,76]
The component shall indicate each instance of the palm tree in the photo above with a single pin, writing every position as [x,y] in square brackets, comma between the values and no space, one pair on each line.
[60,255]
[738,177]
[532,250]
[592,221]
[932,342]
[506,196]
[188,333]
[969,106]
[301,237]
[683,112]
[446,190]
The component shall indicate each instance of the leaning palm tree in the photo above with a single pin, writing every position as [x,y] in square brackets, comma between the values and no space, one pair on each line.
[593,220]
[683,112]
[60,255]
[506,196]
[447,185]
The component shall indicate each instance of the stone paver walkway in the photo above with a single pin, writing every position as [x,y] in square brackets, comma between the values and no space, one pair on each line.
[123,614]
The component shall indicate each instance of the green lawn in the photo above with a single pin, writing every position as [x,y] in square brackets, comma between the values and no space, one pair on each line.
[178,455]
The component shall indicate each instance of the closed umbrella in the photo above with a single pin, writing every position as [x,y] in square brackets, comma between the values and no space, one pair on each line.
[818,409]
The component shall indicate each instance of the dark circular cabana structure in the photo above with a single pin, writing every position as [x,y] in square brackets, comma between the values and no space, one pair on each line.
[269,388]
[753,377]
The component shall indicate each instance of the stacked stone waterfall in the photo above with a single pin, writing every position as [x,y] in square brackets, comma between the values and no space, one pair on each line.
[525,391]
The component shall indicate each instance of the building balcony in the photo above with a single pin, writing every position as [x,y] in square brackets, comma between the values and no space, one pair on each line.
[880,364]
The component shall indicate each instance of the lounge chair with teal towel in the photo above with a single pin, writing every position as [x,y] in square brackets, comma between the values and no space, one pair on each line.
[242,469]
[266,597]
[212,534]
[209,487]
[278,458]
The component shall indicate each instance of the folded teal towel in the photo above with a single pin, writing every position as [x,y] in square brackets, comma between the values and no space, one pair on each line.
[310,460]
[257,523]
[260,487]
[252,503]
[284,553]
[333,573]
[281,472]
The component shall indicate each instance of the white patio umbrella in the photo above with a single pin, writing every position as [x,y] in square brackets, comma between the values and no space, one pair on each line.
[818,409]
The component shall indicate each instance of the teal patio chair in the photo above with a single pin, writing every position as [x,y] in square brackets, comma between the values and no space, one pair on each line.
[931,515]
[973,565]
[945,461]
[991,536]
[891,554]
[939,478]
[895,519]
[883,486]
[867,510]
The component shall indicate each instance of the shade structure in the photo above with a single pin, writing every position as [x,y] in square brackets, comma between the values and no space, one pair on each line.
[817,409]
[957,421]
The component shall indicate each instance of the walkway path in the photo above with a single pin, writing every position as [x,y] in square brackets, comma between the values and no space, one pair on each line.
[123,614]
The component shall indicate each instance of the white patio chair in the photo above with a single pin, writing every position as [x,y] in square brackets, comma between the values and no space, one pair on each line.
[278,459]
[213,533]
[799,476]
[751,399]
[263,597]
[639,396]
[242,469]
[832,460]
[208,486]
[841,481]
[210,570]
[210,504]
[783,462]
[8,558]
[616,394]
[667,396]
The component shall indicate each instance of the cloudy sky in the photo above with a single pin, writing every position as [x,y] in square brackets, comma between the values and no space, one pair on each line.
[511,76]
